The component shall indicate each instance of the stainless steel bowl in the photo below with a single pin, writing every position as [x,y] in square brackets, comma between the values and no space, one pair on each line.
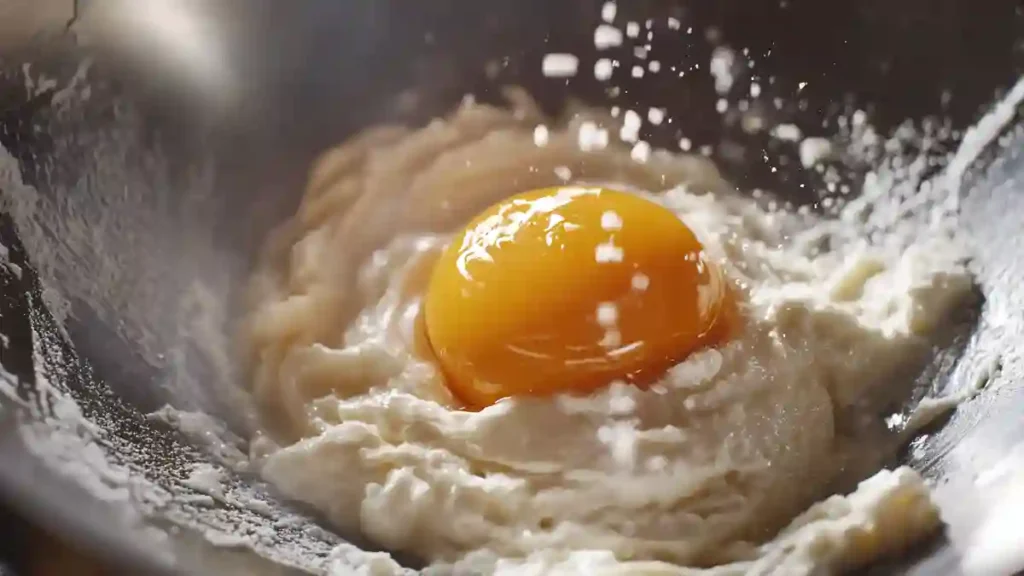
[160,140]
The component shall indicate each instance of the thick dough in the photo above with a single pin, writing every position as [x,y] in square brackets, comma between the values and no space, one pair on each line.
[701,470]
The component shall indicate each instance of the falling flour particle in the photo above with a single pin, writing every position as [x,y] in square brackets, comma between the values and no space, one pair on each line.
[632,29]
[641,152]
[608,252]
[606,36]
[637,72]
[611,221]
[603,69]
[721,105]
[608,11]
[674,23]
[630,131]
[654,66]
[685,144]
[723,61]
[592,137]
[607,315]
[787,132]
[814,150]
[560,65]
[640,281]
[655,115]
[563,172]
[540,135]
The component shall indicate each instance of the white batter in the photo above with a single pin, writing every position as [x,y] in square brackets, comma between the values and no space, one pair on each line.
[702,470]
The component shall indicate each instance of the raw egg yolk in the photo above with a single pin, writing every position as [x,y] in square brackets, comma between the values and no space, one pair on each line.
[566,290]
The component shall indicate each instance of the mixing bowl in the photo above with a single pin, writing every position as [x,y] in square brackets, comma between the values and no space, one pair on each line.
[149,146]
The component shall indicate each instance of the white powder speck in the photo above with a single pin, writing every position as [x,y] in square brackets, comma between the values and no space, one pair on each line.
[606,36]
[603,69]
[673,23]
[607,253]
[752,123]
[632,29]
[721,106]
[801,86]
[540,135]
[608,11]
[641,152]
[755,89]
[563,172]
[560,65]
[654,66]
[788,132]
[814,150]
[616,111]
[685,144]
[607,314]
[610,220]
[655,115]
[592,137]
[630,130]
[637,72]
[723,61]
[640,281]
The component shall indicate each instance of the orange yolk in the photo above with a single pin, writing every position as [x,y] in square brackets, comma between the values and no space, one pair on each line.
[568,289]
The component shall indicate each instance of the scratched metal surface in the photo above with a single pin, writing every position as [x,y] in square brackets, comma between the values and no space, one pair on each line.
[316,73]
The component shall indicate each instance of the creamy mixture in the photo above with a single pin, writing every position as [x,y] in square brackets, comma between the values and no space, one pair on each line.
[700,471]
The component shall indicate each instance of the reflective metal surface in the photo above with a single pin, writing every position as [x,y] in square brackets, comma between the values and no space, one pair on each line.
[166,137]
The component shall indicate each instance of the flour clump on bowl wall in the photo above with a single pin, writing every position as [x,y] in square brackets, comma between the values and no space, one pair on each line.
[720,462]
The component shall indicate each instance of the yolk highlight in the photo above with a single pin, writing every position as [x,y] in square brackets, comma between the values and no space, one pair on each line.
[567,289]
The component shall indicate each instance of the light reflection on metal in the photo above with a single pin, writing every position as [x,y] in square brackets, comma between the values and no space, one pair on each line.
[183,40]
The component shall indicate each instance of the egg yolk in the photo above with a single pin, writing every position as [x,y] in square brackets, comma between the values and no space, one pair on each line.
[566,290]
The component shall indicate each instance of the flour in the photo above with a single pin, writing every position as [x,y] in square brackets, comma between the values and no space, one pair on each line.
[995,548]
[207,432]
[882,274]
[87,240]
[639,475]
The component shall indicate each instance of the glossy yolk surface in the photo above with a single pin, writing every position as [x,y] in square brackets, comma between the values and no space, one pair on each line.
[567,289]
